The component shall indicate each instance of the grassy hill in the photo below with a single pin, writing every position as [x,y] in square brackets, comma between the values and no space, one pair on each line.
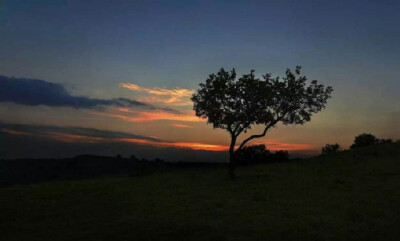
[354,195]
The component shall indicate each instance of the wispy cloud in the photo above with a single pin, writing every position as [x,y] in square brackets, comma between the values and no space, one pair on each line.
[180,125]
[14,132]
[68,132]
[177,96]
[144,116]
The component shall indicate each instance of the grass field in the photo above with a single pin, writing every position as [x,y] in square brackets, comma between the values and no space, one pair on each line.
[354,195]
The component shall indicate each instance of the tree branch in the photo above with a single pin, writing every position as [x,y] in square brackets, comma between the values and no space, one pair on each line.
[260,135]
[245,125]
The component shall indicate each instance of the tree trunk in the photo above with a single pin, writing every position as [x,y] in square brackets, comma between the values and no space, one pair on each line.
[232,163]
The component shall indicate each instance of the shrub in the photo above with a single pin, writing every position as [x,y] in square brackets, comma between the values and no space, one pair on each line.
[255,154]
[252,154]
[367,140]
[364,140]
[330,149]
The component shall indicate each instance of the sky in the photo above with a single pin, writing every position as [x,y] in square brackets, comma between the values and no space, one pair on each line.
[109,77]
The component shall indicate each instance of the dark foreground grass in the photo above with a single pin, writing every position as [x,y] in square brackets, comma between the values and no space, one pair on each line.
[351,196]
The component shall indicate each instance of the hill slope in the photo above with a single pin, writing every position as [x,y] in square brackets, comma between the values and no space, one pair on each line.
[354,195]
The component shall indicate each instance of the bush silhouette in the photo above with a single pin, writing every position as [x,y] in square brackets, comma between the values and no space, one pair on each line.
[329,149]
[385,141]
[253,154]
[364,140]
[367,140]
[256,154]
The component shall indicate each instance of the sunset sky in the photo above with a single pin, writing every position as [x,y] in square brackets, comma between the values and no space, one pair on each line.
[109,77]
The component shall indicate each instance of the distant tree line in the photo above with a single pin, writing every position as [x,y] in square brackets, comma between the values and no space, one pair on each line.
[258,154]
[362,140]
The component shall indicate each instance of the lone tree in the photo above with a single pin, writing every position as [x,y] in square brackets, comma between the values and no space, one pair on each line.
[236,105]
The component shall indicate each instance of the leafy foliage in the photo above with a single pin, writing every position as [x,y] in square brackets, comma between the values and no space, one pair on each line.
[237,104]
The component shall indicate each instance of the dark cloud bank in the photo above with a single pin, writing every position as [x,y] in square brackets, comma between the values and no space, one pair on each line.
[89,132]
[35,92]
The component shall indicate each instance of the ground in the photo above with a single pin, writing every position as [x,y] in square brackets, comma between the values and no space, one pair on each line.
[354,195]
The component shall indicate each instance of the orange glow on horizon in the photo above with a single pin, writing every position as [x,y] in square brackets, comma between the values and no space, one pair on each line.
[271,145]
[274,145]
[185,145]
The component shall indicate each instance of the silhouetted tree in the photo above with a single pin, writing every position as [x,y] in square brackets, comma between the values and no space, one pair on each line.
[329,149]
[238,104]
[364,140]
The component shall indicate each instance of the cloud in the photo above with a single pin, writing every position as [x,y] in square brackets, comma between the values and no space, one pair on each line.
[177,96]
[39,92]
[88,135]
[180,125]
[144,116]
[68,132]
